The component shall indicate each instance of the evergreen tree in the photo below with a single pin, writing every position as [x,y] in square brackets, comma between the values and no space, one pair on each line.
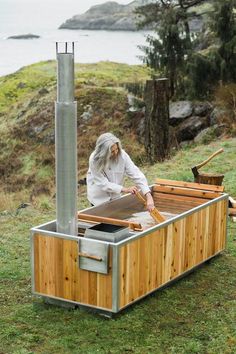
[224,26]
[219,64]
[203,73]
[168,50]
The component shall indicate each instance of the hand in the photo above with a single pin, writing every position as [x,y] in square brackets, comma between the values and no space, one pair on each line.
[132,190]
[150,202]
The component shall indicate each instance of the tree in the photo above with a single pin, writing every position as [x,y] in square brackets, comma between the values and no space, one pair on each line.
[223,24]
[203,74]
[168,51]
[219,63]
[157,141]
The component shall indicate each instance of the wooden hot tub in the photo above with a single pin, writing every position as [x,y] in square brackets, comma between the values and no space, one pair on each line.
[110,268]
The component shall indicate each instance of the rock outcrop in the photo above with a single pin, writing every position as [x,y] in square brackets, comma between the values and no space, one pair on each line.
[24,36]
[189,121]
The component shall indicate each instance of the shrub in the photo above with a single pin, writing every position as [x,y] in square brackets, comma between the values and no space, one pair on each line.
[225,97]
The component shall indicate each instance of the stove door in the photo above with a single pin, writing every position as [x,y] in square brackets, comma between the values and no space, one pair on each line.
[94,256]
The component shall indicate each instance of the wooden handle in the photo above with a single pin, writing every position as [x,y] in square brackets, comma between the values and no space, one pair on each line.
[140,197]
[209,158]
[132,225]
[157,216]
[96,258]
[154,213]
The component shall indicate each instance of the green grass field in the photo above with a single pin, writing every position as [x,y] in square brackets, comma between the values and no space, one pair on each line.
[196,314]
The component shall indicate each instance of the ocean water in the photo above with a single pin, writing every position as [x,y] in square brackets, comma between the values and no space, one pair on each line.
[43,17]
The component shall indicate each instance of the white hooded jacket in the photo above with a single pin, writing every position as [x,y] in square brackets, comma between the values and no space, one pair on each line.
[107,184]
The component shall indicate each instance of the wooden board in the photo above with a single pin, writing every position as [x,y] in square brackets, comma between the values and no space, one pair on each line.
[186,192]
[95,218]
[57,274]
[201,186]
[150,262]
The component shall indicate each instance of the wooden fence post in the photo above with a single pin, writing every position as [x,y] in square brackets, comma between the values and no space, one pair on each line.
[156,98]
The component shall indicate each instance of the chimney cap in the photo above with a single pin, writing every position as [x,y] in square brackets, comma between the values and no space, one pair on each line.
[65,47]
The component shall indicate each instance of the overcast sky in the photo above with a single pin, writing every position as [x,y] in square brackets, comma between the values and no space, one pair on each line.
[86,4]
[14,12]
[81,5]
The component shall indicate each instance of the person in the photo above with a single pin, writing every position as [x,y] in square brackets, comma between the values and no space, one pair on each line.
[108,165]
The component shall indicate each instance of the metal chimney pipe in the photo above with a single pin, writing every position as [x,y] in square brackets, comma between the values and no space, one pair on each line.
[66,143]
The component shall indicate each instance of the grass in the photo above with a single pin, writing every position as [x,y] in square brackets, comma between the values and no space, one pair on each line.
[23,84]
[194,315]
[110,74]
[20,85]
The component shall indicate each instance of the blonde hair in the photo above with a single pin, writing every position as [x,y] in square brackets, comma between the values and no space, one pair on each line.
[102,152]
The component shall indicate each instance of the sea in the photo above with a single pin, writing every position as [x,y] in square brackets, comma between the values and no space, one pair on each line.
[43,17]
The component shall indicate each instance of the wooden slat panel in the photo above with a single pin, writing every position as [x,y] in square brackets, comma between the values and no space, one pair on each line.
[92,289]
[57,273]
[173,206]
[211,229]
[162,234]
[207,187]
[200,238]
[180,198]
[182,246]
[186,191]
[44,264]
[187,242]
[219,223]
[167,253]
[37,280]
[58,266]
[142,273]
[195,231]
[124,268]
[154,257]
[51,280]
[134,266]
[224,222]
[104,293]
[67,270]
[177,249]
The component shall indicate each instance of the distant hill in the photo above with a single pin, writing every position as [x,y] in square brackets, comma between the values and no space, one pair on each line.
[107,16]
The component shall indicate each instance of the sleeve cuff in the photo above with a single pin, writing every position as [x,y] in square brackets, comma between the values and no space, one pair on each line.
[146,190]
